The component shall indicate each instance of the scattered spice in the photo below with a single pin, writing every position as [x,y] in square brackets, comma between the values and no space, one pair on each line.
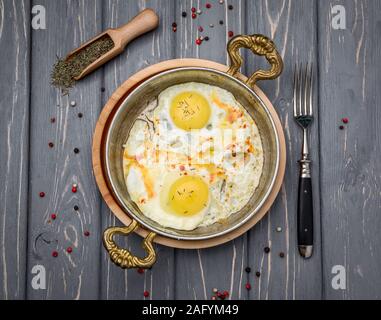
[221,295]
[281,255]
[76,208]
[183,14]
[211,25]
[73,103]
[278,229]
[214,298]
[76,150]
[65,70]
[248,269]
[248,286]
[215,290]
[80,115]
[230,7]
[266,249]
[103,89]
[198,11]
[86,233]
[174,24]
[54,254]
[193,9]
[198,41]
[74,189]
[42,194]
[69,250]
[206,38]
[221,22]
[208,6]
[226,293]
[258,274]
[53,120]
[51,144]
[221,1]
[201,29]
[341,127]
[230,34]
[146,294]
[53,216]
[174,29]
[345,120]
[194,16]
[140,270]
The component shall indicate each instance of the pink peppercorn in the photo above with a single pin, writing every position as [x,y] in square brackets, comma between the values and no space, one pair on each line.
[146,294]
[208,6]
[248,286]
[345,120]
[74,189]
[194,16]
[141,270]
[198,41]
[193,9]
[54,254]
[86,233]
[201,29]
[53,216]
[230,34]
[69,250]
[42,194]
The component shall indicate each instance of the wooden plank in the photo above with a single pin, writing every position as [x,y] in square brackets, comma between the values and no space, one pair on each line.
[146,50]
[292,25]
[14,124]
[351,202]
[53,171]
[199,271]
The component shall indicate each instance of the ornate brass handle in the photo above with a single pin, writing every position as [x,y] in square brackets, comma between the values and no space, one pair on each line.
[259,45]
[122,257]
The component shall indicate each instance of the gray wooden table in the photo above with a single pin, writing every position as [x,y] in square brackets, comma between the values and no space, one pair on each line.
[346,163]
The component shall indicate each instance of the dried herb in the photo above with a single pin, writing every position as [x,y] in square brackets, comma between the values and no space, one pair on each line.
[65,70]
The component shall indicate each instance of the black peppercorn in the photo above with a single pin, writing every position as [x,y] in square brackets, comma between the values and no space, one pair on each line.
[267,250]
[281,255]
[76,150]
[80,115]
[248,269]
[258,274]
[76,208]
[184,14]
[206,38]
[221,22]
[230,7]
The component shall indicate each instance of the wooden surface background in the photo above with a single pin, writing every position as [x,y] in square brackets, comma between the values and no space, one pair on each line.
[346,163]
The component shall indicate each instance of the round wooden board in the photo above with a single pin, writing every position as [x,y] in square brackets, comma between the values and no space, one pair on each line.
[115,100]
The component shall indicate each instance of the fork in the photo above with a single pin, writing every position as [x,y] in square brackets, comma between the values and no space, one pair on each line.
[303,114]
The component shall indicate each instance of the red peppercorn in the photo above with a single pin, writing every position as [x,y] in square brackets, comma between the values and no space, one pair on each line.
[42,194]
[248,286]
[226,293]
[54,254]
[208,6]
[198,41]
[194,16]
[345,120]
[74,189]
[174,29]
[201,29]
[146,294]
[341,127]
[174,25]
[141,270]
[53,120]
[86,233]
[230,34]
[193,9]
[53,216]
[51,144]
[69,250]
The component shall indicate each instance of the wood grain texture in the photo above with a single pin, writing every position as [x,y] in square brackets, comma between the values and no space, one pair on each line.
[14,128]
[54,170]
[349,87]
[144,51]
[290,277]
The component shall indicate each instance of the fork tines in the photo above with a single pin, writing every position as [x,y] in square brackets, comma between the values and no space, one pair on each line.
[303,81]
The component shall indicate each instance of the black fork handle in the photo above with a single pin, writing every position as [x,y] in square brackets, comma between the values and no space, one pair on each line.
[305,214]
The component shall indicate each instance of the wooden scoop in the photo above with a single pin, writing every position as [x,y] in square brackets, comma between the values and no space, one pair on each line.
[145,21]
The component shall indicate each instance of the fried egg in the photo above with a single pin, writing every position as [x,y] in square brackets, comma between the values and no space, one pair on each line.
[193,157]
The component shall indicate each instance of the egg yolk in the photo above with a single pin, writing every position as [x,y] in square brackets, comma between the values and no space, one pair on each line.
[188,196]
[190,110]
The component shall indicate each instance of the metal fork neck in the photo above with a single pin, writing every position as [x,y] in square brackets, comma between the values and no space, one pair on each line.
[305,161]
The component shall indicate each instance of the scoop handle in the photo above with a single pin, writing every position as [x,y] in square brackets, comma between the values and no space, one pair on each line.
[145,21]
